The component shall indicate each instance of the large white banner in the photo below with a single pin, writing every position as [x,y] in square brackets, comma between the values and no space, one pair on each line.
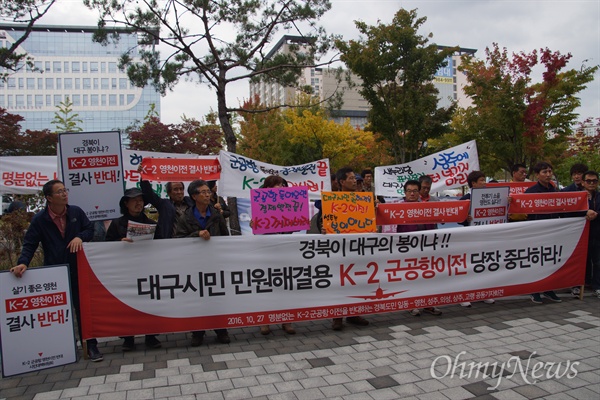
[240,174]
[448,169]
[36,320]
[92,171]
[251,280]
[26,174]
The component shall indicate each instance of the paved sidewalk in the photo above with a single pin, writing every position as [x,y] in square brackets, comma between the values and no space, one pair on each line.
[389,359]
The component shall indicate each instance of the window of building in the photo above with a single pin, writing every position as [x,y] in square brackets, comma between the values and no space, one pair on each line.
[39,101]
[103,67]
[87,83]
[76,100]
[31,83]
[113,83]
[49,83]
[121,99]
[112,67]
[47,66]
[12,83]
[123,83]
[130,98]
[104,84]
[29,101]
[112,100]
[77,83]
[20,101]
[2,101]
[40,83]
[75,66]
[84,66]
[9,101]
[85,100]
[93,67]
[103,100]
[59,83]
[96,81]
[21,83]
[57,99]
[38,66]
[57,66]
[48,100]
[68,83]
[94,100]
[66,66]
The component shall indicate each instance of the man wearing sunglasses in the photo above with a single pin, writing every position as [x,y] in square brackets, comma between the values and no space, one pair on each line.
[592,272]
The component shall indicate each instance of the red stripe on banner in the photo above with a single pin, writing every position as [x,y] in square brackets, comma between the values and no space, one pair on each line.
[180,169]
[548,203]
[104,315]
[422,212]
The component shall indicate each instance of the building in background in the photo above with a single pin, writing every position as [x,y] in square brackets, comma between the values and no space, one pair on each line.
[324,84]
[67,62]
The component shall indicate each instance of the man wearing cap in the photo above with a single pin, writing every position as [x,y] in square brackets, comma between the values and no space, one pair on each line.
[132,207]
[168,209]
[61,229]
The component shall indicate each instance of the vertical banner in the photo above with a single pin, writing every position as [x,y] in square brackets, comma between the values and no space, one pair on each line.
[92,171]
[240,174]
[26,174]
[276,210]
[489,205]
[448,169]
[36,320]
[348,212]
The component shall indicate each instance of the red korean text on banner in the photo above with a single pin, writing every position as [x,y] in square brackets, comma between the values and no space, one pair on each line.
[418,213]
[515,187]
[180,170]
[549,203]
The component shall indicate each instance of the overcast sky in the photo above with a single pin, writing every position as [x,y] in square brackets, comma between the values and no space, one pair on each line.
[569,26]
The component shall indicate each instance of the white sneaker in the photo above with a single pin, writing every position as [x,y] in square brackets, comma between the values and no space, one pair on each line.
[416,312]
[597,293]
[575,291]
[465,304]
[489,301]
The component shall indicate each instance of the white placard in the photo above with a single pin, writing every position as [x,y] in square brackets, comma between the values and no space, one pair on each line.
[36,320]
[92,171]
[489,205]
[448,169]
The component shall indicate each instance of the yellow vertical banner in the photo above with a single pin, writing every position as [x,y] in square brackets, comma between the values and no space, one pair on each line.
[348,212]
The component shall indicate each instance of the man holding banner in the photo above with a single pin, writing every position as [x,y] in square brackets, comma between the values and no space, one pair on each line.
[61,229]
[543,171]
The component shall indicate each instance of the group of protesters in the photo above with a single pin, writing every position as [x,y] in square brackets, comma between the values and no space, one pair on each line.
[61,228]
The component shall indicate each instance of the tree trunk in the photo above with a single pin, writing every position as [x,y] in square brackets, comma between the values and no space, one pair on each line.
[230,139]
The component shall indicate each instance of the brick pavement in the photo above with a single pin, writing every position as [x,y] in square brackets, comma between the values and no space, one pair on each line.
[389,359]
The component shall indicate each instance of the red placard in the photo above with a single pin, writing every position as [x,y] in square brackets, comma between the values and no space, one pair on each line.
[418,213]
[180,169]
[548,203]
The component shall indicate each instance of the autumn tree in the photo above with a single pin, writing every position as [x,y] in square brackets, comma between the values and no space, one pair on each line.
[397,66]
[583,147]
[23,12]
[14,142]
[513,118]
[216,42]
[191,136]
[65,120]
[262,136]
